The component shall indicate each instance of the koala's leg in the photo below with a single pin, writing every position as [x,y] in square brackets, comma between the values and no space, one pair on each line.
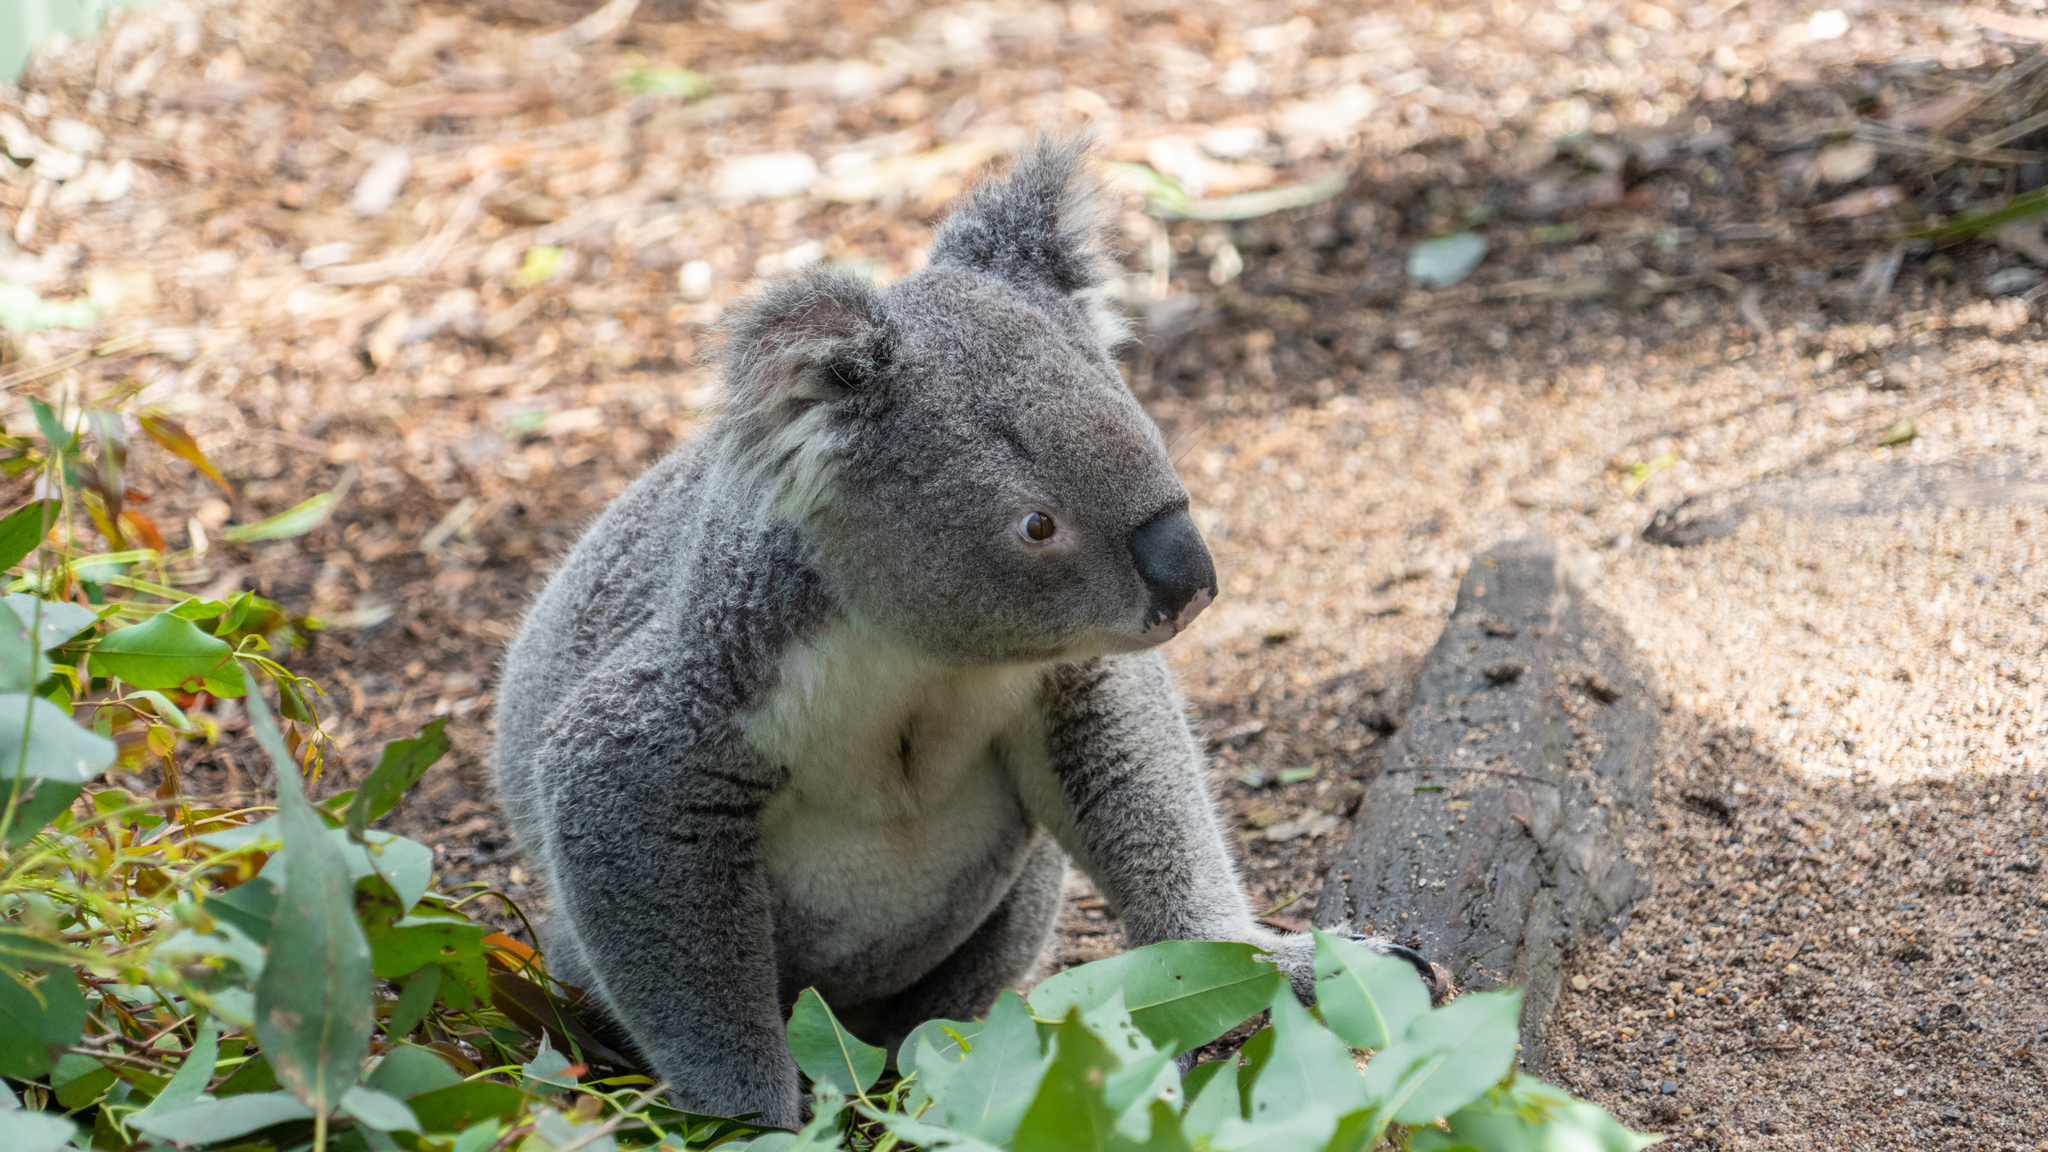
[999,955]
[1121,783]
[656,867]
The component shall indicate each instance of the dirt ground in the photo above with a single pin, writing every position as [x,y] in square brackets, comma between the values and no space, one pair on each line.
[1841,940]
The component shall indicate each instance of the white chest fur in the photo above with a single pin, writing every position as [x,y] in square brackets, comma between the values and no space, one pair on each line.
[897,826]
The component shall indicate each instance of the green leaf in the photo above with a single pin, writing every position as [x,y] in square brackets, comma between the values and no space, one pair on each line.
[21,310]
[1443,262]
[56,620]
[313,1002]
[1310,1128]
[79,1080]
[414,1001]
[1213,1097]
[188,1083]
[828,1053]
[1180,993]
[1368,1000]
[418,940]
[1309,1067]
[679,82]
[226,941]
[38,1019]
[1069,1113]
[547,1073]
[1447,1059]
[297,520]
[1257,1053]
[59,438]
[253,1076]
[408,1070]
[39,802]
[377,1110]
[1531,1116]
[397,770]
[456,1108]
[173,716]
[922,1133]
[406,865]
[58,749]
[987,1093]
[22,664]
[204,1120]
[24,1131]
[163,652]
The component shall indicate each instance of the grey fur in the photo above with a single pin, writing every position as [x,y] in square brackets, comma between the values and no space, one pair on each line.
[803,706]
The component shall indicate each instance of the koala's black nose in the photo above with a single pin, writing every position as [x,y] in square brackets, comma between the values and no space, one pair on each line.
[1177,571]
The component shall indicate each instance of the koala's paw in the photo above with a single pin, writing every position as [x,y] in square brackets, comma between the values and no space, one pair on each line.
[1435,977]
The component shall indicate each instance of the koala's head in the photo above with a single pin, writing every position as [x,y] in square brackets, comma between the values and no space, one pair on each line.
[960,448]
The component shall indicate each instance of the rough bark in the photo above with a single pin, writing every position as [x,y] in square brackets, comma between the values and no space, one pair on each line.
[1493,837]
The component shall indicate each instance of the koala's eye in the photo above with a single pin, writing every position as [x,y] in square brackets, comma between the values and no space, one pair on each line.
[1037,527]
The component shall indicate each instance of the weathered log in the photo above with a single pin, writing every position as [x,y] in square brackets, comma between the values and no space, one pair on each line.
[1992,480]
[1492,837]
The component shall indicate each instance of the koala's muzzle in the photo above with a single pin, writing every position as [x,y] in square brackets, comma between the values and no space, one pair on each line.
[1178,574]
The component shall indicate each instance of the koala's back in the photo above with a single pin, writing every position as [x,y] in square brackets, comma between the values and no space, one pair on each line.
[623,585]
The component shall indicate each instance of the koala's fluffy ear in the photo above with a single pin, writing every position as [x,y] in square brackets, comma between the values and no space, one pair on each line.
[811,338]
[792,355]
[1045,226]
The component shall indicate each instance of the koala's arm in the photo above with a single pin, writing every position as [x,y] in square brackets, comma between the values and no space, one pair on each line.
[655,861]
[1121,785]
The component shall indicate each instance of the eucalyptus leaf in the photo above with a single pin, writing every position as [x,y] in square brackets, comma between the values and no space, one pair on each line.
[545,1074]
[164,652]
[226,940]
[1309,1128]
[40,1016]
[207,1120]
[923,1134]
[1180,993]
[1531,1116]
[313,1001]
[1443,262]
[1309,1067]
[1213,1097]
[38,803]
[297,520]
[23,529]
[1069,1114]
[1448,1058]
[79,1080]
[58,749]
[397,770]
[415,1000]
[188,1084]
[936,1048]
[55,620]
[378,1110]
[24,1131]
[22,663]
[987,1094]
[408,1070]
[827,1052]
[1368,1000]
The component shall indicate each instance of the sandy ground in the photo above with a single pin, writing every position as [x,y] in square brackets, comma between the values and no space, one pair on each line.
[1841,946]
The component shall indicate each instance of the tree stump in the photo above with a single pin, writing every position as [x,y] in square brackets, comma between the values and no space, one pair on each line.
[1492,837]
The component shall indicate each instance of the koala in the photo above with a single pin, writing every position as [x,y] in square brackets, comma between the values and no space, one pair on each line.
[830,696]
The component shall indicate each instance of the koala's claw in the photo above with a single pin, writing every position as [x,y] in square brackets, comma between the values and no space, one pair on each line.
[1435,977]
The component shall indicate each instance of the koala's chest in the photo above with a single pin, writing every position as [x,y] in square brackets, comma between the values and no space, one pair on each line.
[896,790]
